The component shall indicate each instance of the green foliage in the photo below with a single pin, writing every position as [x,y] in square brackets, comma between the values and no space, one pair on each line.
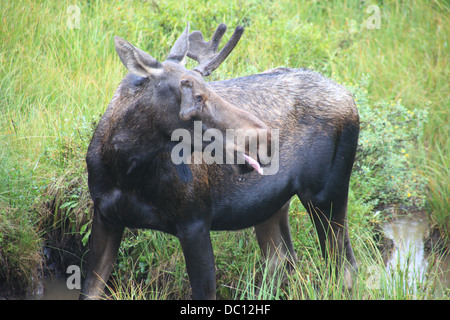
[19,250]
[152,260]
[439,188]
[384,172]
[55,82]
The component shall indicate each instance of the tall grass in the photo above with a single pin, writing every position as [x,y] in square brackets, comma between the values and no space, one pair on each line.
[242,275]
[19,251]
[56,81]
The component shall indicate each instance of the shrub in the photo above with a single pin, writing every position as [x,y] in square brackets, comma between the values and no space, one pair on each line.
[383,171]
[19,251]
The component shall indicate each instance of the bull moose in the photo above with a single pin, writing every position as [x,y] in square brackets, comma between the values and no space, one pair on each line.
[135,183]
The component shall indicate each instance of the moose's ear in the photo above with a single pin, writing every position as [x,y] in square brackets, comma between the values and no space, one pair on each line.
[135,60]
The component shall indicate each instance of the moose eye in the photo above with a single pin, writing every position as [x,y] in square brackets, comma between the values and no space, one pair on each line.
[199,98]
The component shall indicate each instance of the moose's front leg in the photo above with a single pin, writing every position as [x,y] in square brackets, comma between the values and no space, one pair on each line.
[104,244]
[198,253]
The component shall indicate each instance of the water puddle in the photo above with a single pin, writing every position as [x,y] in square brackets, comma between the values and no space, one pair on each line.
[55,289]
[409,259]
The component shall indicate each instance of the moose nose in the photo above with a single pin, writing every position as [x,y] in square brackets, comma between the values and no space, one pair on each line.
[184,115]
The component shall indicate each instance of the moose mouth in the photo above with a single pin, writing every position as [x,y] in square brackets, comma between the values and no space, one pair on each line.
[253,163]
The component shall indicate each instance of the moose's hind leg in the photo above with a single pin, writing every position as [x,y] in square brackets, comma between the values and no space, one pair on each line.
[275,242]
[331,225]
[327,207]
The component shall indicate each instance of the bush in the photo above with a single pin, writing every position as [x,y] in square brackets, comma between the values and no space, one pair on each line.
[383,172]
[19,251]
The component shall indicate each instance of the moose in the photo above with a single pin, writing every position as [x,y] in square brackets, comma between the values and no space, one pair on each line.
[134,183]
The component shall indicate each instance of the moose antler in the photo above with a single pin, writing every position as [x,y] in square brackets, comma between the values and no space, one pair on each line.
[205,53]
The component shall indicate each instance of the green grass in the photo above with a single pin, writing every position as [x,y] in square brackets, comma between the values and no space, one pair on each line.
[19,250]
[157,272]
[55,82]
